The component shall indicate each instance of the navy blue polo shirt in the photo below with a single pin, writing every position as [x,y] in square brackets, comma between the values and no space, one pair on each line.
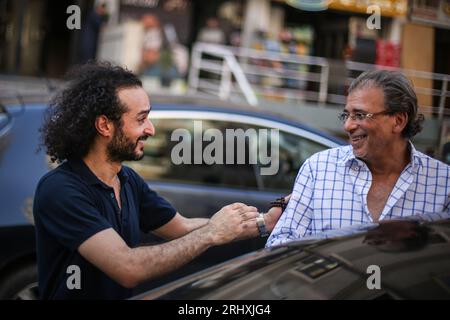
[71,204]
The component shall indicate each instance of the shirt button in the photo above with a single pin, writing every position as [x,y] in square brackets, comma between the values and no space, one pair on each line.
[355,168]
[112,195]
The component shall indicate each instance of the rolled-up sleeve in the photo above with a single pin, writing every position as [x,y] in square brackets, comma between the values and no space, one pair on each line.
[155,210]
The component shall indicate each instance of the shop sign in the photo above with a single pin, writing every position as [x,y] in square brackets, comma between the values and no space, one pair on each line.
[309,5]
[169,12]
[388,53]
[435,13]
[389,8]
[149,4]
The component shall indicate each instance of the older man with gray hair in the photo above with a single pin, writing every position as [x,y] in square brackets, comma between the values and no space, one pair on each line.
[379,176]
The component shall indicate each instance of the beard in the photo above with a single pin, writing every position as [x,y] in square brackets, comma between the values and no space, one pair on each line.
[121,148]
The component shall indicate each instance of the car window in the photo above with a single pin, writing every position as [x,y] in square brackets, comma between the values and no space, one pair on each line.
[293,151]
[4,119]
[4,136]
[158,163]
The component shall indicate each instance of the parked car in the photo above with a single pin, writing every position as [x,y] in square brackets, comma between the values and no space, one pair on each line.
[195,190]
[401,259]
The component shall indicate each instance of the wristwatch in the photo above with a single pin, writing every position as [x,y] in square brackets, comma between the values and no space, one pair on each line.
[261,226]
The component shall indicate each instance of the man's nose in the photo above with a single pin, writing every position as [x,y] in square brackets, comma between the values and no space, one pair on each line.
[149,129]
[350,124]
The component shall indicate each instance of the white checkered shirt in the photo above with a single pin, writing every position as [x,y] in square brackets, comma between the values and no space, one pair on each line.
[330,192]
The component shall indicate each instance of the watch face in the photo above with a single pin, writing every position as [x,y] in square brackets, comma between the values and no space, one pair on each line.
[260,222]
[261,226]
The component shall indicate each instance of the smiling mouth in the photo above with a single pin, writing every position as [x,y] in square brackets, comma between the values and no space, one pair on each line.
[140,144]
[357,138]
[141,139]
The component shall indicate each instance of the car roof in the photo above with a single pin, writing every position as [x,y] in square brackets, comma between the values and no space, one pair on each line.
[195,102]
[207,104]
[336,268]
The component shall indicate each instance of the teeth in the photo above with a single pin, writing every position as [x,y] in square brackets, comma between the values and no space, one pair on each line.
[357,138]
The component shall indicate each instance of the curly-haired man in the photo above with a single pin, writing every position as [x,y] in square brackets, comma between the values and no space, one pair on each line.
[89,211]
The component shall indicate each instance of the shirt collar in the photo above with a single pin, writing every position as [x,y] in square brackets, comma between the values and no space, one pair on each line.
[416,156]
[88,176]
[349,157]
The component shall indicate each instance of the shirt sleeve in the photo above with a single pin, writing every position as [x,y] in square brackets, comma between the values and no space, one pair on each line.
[155,211]
[295,221]
[67,212]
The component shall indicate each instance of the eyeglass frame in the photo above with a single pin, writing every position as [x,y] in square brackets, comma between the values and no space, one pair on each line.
[366,116]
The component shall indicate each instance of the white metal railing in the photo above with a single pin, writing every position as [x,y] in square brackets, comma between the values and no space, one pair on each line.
[230,72]
[434,78]
[259,69]
[228,67]
[287,76]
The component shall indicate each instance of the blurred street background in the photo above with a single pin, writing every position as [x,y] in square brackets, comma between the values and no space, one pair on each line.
[291,56]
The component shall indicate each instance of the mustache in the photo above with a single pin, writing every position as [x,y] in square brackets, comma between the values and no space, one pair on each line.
[143,138]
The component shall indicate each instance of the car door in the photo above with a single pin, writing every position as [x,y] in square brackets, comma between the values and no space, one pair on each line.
[199,189]
[194,188]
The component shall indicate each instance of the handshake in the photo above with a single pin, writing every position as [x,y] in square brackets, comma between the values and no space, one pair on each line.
[238,221]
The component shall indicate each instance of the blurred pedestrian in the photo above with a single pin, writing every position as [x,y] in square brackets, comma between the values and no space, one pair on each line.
[90,32]
[152,45]
[212,33]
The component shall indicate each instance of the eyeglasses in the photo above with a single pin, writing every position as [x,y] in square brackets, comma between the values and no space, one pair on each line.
[360,116]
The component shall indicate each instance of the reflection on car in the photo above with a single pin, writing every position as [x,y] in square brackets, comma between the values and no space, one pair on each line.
[397,259]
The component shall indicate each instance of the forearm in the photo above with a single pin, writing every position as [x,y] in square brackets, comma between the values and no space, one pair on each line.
[196,223]
[179,226]
[154,261]
[130,266]
[271,218]
[273,215]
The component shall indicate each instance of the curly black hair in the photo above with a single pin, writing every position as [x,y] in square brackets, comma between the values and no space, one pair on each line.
[68,130]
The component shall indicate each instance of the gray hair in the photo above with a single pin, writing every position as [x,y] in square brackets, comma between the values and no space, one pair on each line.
[399,96]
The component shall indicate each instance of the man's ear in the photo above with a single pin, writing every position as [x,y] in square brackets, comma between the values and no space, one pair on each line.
[104,126]
[401,120]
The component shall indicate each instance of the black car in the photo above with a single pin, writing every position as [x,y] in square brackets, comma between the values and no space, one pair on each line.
[194,190]
[404,259]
